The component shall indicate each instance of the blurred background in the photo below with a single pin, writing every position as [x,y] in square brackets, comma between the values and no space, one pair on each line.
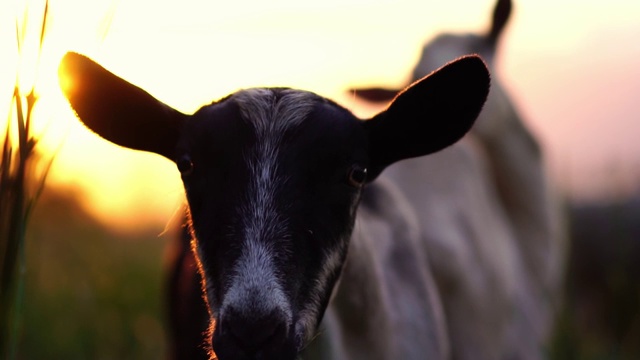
[96,240]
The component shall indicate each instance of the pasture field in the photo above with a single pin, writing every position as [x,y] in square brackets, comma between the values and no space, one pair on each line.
[90,294]
[95,294]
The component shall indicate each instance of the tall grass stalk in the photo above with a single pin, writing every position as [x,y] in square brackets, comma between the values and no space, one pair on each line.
[18,194]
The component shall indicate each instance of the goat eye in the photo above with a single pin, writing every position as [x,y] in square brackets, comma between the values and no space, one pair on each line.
[357,176]
[185,166]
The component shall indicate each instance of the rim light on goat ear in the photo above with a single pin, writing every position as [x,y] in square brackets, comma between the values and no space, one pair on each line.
[67,85]
[98,96]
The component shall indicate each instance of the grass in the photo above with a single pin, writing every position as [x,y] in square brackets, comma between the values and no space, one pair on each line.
[19,189]
[601,315]
[90,294]
[69,289]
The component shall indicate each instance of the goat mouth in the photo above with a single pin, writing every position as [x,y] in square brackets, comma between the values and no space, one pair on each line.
[234,338]
[303,338]
[300,342]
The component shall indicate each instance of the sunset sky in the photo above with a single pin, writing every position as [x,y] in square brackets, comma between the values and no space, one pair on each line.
[571,66]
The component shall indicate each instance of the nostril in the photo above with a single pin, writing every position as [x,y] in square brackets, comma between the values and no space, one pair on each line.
[253,333]
[253,338]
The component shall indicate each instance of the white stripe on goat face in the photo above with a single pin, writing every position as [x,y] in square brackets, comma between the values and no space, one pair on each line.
[256,284]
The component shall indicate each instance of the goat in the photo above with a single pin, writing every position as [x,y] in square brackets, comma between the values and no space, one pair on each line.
[520,261]
[288,227]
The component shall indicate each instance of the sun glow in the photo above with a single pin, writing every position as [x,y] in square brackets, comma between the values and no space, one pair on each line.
[191,53]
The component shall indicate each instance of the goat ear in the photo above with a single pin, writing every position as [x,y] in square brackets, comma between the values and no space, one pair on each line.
[429,115]
[117,110]
[501,14]
[375,94]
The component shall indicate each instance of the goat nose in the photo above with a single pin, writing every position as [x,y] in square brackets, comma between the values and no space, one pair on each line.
[251,334]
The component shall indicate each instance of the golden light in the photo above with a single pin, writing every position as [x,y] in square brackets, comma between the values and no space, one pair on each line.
[192,52]
[66,84]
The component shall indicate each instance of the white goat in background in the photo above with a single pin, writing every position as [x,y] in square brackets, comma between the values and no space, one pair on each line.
[500,276]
